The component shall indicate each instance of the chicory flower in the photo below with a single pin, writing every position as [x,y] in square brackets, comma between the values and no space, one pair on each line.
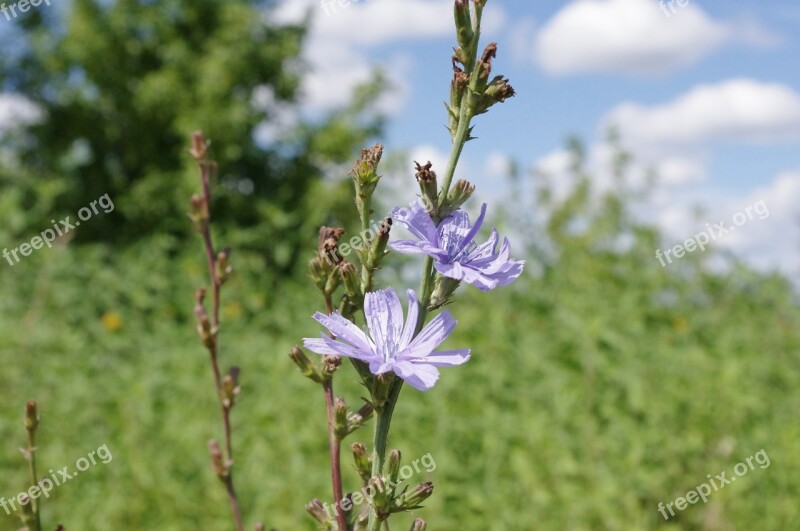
[391,344]
[453,247]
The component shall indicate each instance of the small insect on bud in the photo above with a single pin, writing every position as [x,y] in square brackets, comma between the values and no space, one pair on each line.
[31,416]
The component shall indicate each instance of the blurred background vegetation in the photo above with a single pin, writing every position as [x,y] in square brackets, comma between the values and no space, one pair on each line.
[601,384]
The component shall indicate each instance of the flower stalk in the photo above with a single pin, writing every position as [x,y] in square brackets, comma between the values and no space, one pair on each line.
[219,270]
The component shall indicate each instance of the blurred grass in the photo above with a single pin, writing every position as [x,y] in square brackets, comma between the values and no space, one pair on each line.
[588,399]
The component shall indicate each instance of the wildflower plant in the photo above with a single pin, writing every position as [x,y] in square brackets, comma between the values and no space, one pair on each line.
[396,346]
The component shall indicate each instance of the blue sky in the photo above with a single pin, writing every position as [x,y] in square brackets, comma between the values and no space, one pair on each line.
[708,94]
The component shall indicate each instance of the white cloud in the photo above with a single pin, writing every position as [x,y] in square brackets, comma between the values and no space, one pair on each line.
[339,37]
[735,110]
[626,36]
[772,242]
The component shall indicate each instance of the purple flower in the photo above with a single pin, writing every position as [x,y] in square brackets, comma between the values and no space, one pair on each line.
[391,345]
[452,245]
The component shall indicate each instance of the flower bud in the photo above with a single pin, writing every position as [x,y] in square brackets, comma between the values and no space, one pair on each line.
[378,249]
[419,525]
[306,366]
[413,497]
[223,269]
[365,178]
[426,178]
[443,290]
[221,468]
[381,500]
[355,419]
[317,510]
[199,146]
[230,387]
[456,197]
[340,416]
[31,416]
[380,388]
[464,31]
[363,461]
[260,526]
[330,364]
[393,467]
[205,330]
[352,281]
[199,211]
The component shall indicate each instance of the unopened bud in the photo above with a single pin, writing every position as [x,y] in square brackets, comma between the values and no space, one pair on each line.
[199,146]
[393,467]
[426,178]
[363,461]
[230,387]
[204,328]
[419,525]
[340,414]
[352,281]
[464,32]
[330,364]
[199,211]
[413,497]
[443,290]
[458,195]
[317,510]
[356,419]
[223,268]
[221,469]
[378,249]
[306,366]
[31,416]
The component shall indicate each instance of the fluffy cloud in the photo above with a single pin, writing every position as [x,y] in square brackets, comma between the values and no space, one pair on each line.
[340,34]
[626,36]
[736,110]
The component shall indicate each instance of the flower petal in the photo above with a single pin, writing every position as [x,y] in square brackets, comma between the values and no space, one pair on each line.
[411,321]
[344,329]
[430,337]
[421,376]
[446,358]
[417,220]
[384,315]
[328,346]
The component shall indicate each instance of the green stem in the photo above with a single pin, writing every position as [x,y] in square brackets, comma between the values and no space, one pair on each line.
[384,415]
[34,476]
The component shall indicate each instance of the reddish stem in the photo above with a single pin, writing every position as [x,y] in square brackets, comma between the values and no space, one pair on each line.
[212,269]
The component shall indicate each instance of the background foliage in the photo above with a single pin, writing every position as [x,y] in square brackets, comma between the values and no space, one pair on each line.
[600,384]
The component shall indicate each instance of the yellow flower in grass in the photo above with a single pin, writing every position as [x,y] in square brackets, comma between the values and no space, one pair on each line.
[112,321]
